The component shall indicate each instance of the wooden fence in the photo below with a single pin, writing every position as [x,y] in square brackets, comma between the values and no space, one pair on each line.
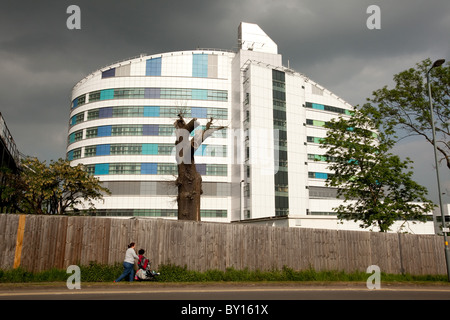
[38,243]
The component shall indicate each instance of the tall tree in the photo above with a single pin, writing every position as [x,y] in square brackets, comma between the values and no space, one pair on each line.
[189,180]
[376,185]
[406,106]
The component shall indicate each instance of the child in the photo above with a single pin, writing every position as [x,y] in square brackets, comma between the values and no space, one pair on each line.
[144,272]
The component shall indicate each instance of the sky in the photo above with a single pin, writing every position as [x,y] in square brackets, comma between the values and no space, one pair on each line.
[328,41]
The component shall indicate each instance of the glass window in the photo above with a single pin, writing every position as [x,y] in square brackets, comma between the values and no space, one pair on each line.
[126,112]
[153,67]
[150,148]
[90,151]
[91,132]
[101,169]
[109,73]
[149,168]
[103,150]
[166,149]
[200,65]
[124,168]
[104,131]
[94,96]
[150,130]
[167,168]
[126,149]
[93,114]
[199,112]
[151,111]
[127,130]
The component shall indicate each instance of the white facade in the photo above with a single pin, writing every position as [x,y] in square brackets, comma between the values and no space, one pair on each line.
[437,218]
[261,169]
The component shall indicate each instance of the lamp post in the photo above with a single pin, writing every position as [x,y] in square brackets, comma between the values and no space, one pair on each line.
[438,63]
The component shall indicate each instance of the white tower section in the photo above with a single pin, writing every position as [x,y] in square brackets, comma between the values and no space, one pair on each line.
[253,38]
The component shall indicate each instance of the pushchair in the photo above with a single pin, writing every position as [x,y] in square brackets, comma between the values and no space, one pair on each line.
[144,271]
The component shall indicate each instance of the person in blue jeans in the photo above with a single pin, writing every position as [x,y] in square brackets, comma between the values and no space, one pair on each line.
[128,263]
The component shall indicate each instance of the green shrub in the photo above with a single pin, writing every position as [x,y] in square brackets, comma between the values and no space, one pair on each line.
[94,272]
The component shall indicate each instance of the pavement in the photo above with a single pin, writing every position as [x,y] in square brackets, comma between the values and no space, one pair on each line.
[42,289]
[268,300]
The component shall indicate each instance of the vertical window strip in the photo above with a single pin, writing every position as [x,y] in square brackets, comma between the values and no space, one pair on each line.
[200,65]
[153,67]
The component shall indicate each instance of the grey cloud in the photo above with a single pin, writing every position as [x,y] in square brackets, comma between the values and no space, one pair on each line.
[41,60]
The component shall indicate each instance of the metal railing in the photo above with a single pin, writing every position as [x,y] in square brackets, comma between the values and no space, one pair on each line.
[8,140]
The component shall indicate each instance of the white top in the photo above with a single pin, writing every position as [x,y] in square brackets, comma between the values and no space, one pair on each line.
[130,255]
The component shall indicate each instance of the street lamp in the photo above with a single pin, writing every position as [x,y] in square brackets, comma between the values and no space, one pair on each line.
[438,63]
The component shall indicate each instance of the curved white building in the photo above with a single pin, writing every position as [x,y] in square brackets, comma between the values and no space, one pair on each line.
[267,165]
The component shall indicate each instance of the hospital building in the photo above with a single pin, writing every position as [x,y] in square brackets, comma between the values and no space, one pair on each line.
[265,167]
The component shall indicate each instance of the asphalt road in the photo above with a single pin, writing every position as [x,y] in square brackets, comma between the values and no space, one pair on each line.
[224,300]
[225,291]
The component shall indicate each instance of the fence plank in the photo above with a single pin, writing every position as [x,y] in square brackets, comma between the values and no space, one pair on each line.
[59,241]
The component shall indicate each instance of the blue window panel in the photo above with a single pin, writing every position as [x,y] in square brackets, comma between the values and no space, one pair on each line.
[199,94]
[107,94]
[150,129]
[201,168]
[318,106]
[105,112]
[150,148]
[152,93]
[103,150]
[197,112]
[75,103]
[101,169]
[73,120]
[104,131]
[72,138]
[109,73]
[321,175]
[70,155]
[200,151]
[149,168]
[200,65]
[153,67]
[151,112]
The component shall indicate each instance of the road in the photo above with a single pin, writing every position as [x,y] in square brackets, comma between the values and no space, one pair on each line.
[224,291]
[260,299]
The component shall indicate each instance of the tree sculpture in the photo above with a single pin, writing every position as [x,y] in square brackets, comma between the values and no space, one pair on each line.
[189,180]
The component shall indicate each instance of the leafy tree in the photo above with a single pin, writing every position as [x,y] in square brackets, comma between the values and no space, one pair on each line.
[375,184]
[406,107]
[56,188]
[9,183]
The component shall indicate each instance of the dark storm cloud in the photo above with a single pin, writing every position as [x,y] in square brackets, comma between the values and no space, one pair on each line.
[41,60]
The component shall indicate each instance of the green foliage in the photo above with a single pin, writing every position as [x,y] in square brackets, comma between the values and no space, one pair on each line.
[9,183]
[376,185]
[95,272]
[53,189]
[406,107]
[172,273]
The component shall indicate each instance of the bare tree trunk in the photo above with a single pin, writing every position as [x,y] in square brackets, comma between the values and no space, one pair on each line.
[189,181]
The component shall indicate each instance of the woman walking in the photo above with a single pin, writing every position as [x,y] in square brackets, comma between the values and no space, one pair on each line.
[128,263]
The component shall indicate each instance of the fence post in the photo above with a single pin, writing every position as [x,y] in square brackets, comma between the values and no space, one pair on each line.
[19,240]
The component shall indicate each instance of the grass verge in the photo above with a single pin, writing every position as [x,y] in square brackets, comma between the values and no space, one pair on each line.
[172,273]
